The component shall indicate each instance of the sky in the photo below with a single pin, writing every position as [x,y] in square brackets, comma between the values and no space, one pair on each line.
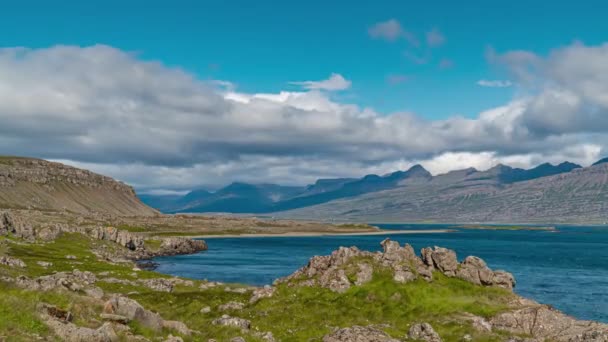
[170,96]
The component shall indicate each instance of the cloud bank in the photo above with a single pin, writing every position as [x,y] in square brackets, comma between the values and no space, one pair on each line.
[159,127]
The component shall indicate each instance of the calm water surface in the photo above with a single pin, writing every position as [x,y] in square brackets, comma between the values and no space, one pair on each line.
[567,268]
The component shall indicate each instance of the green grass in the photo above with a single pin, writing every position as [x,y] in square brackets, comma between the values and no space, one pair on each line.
[57,251]
[309,313]
[292,314]
[132,229]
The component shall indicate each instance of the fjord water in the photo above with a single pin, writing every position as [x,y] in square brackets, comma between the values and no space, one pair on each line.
[566,268]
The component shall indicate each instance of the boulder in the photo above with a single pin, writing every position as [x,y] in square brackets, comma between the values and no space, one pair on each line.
[445,261]
[264,292]
[474,270]
[423,332]
[365,274]
[12,262]
[231,306]
[236,322]
[358,334]
[70,332]
[158,284]
[503,279]
[545,323]
[177,326]
[181,245]
[134,311]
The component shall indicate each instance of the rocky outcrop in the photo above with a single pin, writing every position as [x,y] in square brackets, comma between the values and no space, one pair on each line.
[335,271]
[11,224]
[12,262]
[544,323]
[358,334]
[231,306]
[42,185]
[133,311]
[474,270]
[72,281]
[124,238]
[423,332]
[180,245]
[236,322]
[59,321]
[260,293]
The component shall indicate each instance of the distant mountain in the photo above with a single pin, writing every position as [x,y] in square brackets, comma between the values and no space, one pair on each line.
[28,183]
[496,195]
[601,161]
[271,198]
[369,183]
[506,174]
[234,198]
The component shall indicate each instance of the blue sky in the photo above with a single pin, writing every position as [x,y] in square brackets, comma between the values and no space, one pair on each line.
[130,88]
[262,45]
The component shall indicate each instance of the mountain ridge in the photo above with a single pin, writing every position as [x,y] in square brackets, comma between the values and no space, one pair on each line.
[327,190]
[29,183]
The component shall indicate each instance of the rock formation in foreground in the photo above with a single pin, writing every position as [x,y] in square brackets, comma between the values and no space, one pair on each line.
[524,319]
[27,183]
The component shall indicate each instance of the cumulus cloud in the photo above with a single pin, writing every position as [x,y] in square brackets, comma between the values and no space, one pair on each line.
[333,83]
[494,83]
[391,30]
[159,127]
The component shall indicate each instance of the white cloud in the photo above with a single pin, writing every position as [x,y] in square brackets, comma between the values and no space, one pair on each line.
[391,30]
[495,83]
[333,83]
[158,127]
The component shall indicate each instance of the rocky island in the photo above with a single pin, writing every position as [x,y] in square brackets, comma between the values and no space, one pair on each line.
[72,274]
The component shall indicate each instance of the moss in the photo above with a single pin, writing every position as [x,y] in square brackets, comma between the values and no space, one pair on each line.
[132,229]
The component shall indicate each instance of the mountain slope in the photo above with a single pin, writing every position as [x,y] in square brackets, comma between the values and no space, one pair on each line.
[235,198]
[580,195]
[29,183]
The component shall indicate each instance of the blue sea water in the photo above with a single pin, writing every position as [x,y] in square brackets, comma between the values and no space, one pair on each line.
[567,268]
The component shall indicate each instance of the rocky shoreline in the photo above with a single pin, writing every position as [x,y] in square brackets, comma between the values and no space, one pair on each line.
[241,313]
[135,244]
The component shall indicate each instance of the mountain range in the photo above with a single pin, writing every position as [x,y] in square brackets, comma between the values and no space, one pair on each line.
[414,194]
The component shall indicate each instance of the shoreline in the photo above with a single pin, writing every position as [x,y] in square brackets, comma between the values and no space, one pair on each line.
[317,234]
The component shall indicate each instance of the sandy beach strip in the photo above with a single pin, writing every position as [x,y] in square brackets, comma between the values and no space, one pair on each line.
[313,234]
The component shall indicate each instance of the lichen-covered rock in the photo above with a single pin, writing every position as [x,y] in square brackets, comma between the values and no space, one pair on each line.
[503,279]
[358,334]
[73,281]
[158,284]
[445,260]
[264,292]
[70,332]
[177,326]
[11,224]
[180,245]
[474,270]
[366,271]
[231,306]
[543,322]
[232,322]
[12,262]
[134,311]
[335,271]
[423,332]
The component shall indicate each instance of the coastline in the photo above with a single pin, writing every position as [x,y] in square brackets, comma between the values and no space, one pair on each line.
[316,234]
